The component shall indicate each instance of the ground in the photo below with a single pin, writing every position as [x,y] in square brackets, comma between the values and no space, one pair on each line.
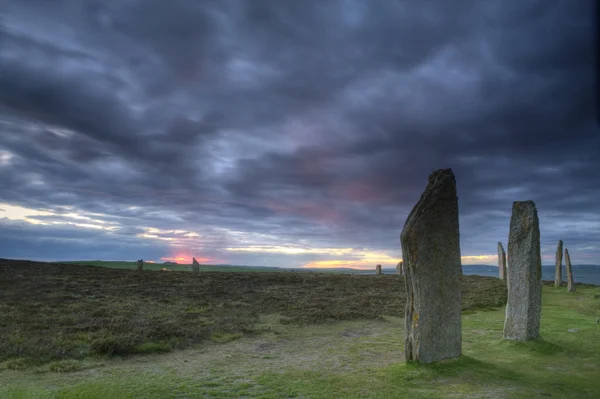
[289,348]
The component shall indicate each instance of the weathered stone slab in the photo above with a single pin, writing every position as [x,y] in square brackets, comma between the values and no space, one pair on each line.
[431,256]
[524,281]
[378,269]
[558,267]
[195,266]
[400,269]
[570,281]
[501,262]
[140,265]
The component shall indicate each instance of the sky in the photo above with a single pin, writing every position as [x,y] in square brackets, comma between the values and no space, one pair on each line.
[292,133]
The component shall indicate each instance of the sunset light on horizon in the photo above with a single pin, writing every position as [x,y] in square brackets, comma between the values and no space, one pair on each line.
[258,138]
[212,198]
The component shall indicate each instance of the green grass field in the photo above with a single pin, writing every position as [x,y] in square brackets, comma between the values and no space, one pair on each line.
[293,348]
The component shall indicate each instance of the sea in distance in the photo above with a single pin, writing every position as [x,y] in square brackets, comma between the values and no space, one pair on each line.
[585,274]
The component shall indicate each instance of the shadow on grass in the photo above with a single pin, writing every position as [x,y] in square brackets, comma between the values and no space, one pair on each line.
[537,346]
[461,367]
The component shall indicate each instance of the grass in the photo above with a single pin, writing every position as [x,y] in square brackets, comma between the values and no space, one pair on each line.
[352,359]
[352,349]
[222,337]
[55,311]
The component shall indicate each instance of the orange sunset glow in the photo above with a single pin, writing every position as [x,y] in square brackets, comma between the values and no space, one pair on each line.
[187,259]
[178,259]
[330,264]
[369,261]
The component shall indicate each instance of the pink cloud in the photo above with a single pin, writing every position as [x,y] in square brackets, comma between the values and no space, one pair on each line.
[313,211]
[361,192]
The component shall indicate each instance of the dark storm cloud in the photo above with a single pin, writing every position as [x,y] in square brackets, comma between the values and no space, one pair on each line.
[300,123]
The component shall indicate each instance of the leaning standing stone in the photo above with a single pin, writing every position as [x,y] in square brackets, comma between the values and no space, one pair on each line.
[140,265]
[195,266]
[431,257]
[570,281]
[378,269]
[501,262]
[524,282]
[558,268]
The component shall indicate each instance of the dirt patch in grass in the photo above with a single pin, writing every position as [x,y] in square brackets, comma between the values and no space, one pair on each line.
[55,312]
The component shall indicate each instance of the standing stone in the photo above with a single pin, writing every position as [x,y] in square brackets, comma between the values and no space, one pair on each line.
[195,266]
[378,269]
[558,269]
[524,304]
[570,281]
[431,257]
[140,265]
[399,269]
[501,262]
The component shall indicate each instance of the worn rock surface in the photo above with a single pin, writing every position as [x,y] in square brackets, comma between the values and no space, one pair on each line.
[524,281]
[378,269]
[431,256]
[501,262]
[399,269]
[570,281]
[558,267]
[195,266]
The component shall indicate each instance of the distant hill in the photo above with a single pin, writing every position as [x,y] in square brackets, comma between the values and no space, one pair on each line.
[479,269]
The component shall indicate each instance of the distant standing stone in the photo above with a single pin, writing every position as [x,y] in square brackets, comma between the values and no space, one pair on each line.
[140,265]
[524,281]
[558,268]
[501,262]
[378,269]
[399,269]
[195,266]
[570,281]
[431,257]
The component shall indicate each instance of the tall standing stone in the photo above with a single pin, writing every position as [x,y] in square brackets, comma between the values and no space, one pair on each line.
[378,269]
[140,265]
[524,282]
[558,268]
[431,255]
[195,266]
[570,281]
[399,269]
[501,262]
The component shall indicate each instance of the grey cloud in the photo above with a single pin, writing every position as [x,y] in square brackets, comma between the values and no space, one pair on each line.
[309,122]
